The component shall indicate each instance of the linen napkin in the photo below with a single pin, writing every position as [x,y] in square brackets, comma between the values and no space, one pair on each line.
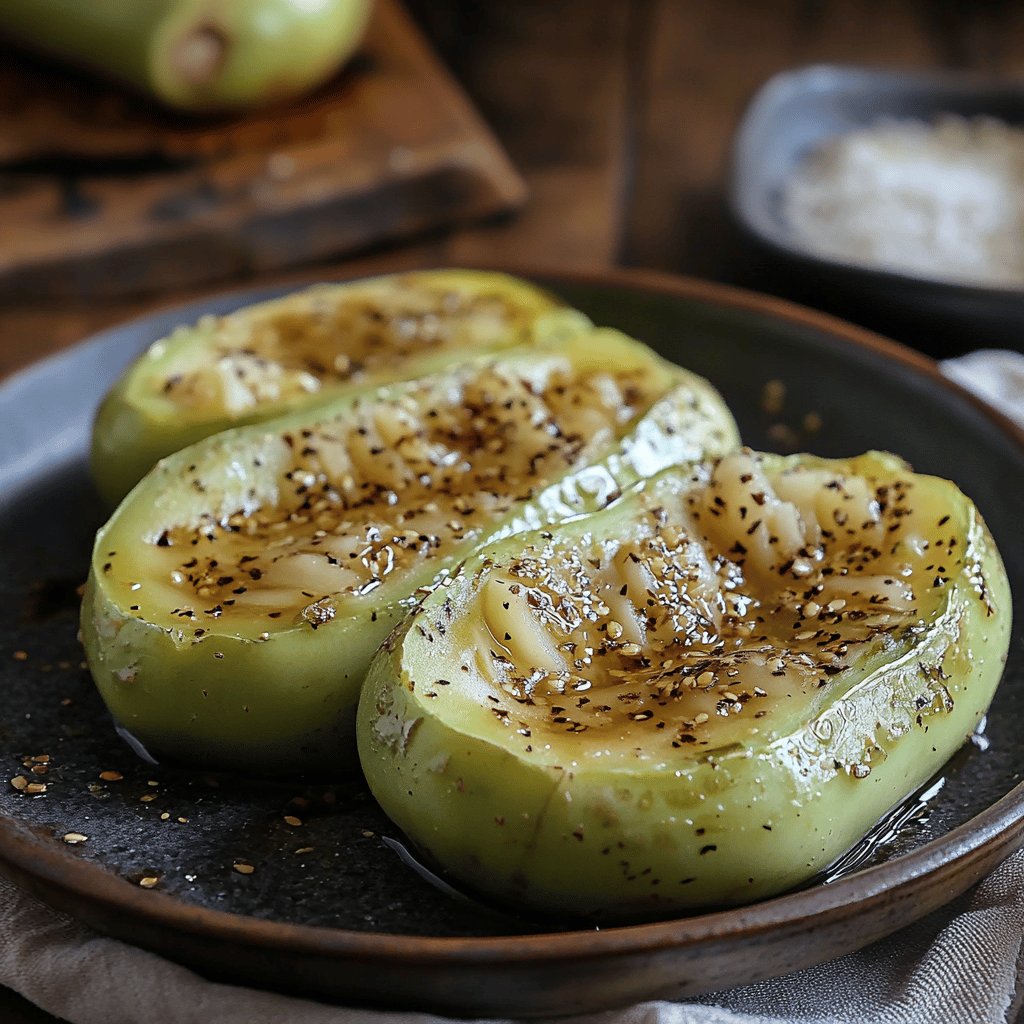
[960,965]
[993,374]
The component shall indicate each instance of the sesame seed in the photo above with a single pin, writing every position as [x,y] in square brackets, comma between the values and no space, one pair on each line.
[148,881]
[111,776]
[74,838]
[243,868]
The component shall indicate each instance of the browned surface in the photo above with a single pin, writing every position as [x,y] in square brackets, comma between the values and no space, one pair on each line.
[617,113]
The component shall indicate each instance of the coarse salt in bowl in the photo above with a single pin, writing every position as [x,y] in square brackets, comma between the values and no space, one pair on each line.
[892,198]
[943,199]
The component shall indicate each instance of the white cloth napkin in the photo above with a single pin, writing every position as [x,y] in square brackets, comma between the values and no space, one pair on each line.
[957,966]
[992,374]
[961,965]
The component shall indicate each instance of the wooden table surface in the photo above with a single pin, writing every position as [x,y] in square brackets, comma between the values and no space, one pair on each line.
[619,115]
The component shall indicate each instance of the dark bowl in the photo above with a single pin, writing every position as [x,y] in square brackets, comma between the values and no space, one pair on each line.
[796,112]
[331,911]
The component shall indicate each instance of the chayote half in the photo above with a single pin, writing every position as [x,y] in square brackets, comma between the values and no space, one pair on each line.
[306,349]
[195,55]
[701,695]
[237,595]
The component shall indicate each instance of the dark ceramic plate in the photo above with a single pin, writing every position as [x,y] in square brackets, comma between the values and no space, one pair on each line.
[797,111]
[331,910]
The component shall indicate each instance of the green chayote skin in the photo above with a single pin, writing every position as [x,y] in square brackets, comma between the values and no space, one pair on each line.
[197,55]
[274,686]
[500,770]
[307,349]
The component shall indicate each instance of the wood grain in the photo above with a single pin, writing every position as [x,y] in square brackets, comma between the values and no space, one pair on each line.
[392,148]
[618,114]
[557,84]
[699,74]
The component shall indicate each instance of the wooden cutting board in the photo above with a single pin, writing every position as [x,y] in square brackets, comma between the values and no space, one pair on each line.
[102,193]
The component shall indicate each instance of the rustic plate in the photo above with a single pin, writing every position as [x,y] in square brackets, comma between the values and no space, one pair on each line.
[331,909]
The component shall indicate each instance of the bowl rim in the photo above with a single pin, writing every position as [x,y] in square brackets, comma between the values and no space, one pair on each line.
[754,218]
[49,869]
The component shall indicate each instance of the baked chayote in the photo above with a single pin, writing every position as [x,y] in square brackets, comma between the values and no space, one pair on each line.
[701,695]
[238,593]
[304,350]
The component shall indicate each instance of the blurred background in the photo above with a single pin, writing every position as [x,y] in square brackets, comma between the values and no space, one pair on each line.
[565,135]
[549,134]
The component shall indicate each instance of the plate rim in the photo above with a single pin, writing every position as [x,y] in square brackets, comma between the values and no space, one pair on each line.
[998,830]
